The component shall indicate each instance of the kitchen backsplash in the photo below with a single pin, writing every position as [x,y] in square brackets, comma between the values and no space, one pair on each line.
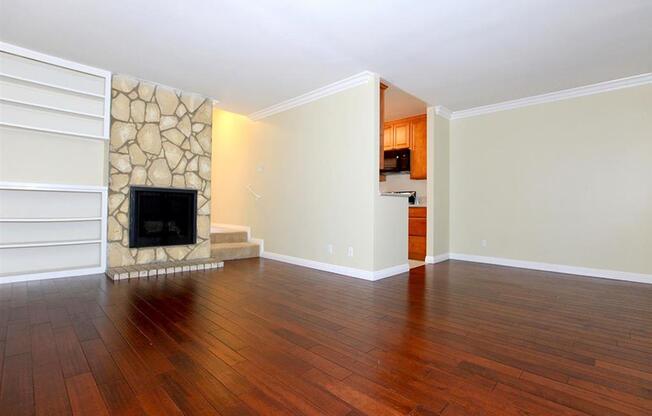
[402,182]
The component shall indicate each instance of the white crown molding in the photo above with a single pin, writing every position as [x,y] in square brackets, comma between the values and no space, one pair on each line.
[557,268]
[334,268]
[345,84]
[440,110]
[556,96]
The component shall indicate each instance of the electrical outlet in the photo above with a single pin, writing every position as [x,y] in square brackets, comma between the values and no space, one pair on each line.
[349,252]
[329,248]
[484,243]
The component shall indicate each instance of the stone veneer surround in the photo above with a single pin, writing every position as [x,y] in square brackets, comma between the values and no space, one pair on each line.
[159,137]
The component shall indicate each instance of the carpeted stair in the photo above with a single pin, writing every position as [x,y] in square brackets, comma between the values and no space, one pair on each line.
[227,244]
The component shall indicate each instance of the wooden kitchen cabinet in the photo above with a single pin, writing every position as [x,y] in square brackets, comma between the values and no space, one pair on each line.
[410,132]
[401,132]
[419,148]
[417,233]
[388,137]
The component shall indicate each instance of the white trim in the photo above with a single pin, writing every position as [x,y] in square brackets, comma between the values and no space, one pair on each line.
[71,219]
[63,63]
[334,268]
[107,105]
[58,274]
[50,244]
[65,133]
[440,110]
[557,268]
[391,271]
[28,186]
[104,248]
[51,108]
[330,89]
[437,259]
[600,87]
[52,86]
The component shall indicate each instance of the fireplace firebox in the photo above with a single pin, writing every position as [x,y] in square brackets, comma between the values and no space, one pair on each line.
[162,217]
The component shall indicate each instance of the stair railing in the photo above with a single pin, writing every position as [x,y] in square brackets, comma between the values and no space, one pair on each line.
[252,192]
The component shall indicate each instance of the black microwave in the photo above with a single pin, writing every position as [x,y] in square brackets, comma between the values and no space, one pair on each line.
[396,161]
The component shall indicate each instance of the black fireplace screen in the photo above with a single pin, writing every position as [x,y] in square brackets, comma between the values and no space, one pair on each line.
[162,217]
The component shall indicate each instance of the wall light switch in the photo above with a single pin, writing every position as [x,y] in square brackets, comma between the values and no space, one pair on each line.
[350,252]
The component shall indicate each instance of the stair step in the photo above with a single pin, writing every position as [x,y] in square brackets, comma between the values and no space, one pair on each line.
[232,251]
[229,236]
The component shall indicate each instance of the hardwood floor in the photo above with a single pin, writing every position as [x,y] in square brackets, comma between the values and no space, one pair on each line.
[262,337]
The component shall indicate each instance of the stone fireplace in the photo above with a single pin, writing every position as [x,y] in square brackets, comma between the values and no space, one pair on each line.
[160,137]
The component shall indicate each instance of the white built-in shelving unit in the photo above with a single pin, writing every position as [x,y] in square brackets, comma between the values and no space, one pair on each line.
[54,129]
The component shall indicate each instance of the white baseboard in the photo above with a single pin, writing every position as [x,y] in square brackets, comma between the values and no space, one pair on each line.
[437,259]
[558,268]
[215,227]
[58,274]
[343,270]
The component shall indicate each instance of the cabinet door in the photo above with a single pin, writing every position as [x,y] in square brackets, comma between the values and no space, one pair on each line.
[416,248]
[388,137]
[419,154]
[402,135]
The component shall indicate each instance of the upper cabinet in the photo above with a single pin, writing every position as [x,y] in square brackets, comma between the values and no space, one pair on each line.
[418,145]
[388,137]
[409,133]
[401,131]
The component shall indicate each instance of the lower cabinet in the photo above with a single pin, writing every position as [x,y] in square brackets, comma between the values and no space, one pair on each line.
[417,233]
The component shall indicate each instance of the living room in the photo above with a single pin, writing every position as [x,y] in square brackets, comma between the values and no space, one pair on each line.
[198,214]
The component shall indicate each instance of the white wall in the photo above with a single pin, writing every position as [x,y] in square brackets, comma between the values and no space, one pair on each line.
[316,169]
[567,182]
[438,221]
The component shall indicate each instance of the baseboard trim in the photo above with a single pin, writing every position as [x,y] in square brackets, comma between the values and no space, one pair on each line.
[437,259]
[58,274]
[557,268]
[334,268]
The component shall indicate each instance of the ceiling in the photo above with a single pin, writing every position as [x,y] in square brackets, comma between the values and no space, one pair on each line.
[255,53]
[399,104]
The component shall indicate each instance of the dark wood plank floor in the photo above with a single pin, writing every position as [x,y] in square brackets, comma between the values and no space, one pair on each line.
[262,337]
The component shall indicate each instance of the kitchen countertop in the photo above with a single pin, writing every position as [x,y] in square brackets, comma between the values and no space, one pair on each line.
[398,194]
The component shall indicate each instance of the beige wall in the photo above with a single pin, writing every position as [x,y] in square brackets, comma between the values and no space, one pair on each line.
[438,184]
[315,168]
[568,182]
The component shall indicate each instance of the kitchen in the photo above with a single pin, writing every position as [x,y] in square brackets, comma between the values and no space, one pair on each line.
[404,164]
